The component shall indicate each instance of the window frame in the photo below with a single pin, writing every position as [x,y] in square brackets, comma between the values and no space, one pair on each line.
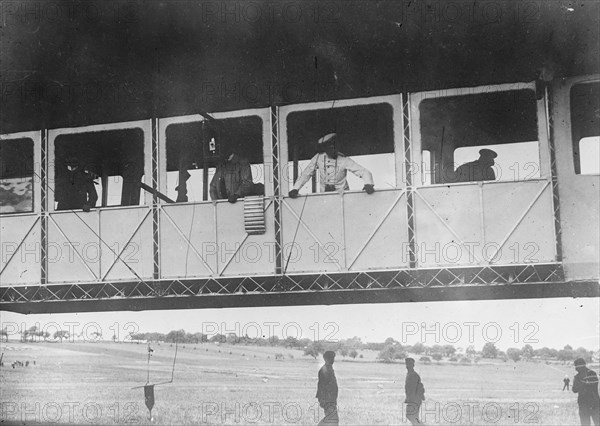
[36,137]
[415,100]
[144,125]
[395,101]
[263,113]
[577,82]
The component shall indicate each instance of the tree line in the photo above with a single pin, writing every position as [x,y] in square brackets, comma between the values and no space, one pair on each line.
[388,351]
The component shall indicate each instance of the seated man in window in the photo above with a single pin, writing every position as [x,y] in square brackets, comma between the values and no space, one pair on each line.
[333,167]
[75,188]
[233,178]
[480,169]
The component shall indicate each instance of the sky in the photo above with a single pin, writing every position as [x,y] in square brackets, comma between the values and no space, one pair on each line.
[506,323]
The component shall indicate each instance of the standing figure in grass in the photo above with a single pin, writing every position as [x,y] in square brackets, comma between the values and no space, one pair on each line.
[415,393]
[566,382]
[327,390]
[585,385]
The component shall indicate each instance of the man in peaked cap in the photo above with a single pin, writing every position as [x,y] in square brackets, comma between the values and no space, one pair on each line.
[480,169]
[585,385]
[333,167]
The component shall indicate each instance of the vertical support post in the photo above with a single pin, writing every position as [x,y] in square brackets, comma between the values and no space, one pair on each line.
[277,199]
[410,211]
[155,206]
[555,197]
[44,209]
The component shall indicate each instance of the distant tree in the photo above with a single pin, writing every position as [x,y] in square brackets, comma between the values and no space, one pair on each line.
[311,351]
[175,336]
[4,333]
[437,349]
[437,356]
[232,338]
[218,338]
[471,351]
[449,350]
[489,350]
[425,360]
[290,342]
[565,355]
[353,354]
[465,360]
[514,354]
[453,359]
[527,352]
[344,351]
[418,348]
[387,353]
[61,334]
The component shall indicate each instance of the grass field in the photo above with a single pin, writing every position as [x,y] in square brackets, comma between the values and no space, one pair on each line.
[90,383]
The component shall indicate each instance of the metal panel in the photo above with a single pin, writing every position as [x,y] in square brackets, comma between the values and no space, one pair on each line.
[208,239]
[447,224]
[187,240]
[312,233]
[126,244]
[73,242]
[20,250]
[241,254]
[485,223]
[374,228]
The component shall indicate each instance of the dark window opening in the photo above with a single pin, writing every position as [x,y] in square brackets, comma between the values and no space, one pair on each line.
[365,133]
[99,169]
[197,151]
[585,127]
[481,137]
[16,176]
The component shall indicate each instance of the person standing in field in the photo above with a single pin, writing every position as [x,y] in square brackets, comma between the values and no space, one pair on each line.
[566,382]
[415,393]
[327,390]
[585,385]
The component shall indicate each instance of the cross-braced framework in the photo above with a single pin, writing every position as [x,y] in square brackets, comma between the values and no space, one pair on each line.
[410,207]
[555,198]
[328,284]
[276,189]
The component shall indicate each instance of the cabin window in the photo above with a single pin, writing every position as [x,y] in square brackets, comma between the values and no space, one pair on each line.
[480,137]
[113,160]
[585,127]
[365,133]
[196,150]
[16,176]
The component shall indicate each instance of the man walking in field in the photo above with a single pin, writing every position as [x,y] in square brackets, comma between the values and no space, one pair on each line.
[415,393]
[585,385]
[566,382]
[327,390]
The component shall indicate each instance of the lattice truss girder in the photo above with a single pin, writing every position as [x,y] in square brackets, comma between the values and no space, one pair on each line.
[325,282]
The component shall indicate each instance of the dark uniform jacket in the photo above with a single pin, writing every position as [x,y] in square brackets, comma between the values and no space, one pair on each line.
[74,189]
[327,388]
[585,384]
[411,388]
[232,177]
[475,171]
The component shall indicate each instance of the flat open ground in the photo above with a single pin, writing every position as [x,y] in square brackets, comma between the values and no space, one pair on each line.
[90,383]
